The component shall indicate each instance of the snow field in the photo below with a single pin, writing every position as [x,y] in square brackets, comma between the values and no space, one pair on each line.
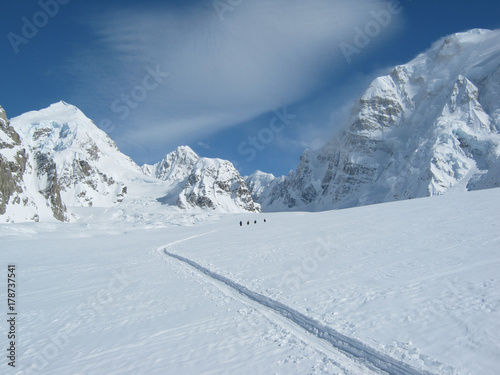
[416,282]
[94,303]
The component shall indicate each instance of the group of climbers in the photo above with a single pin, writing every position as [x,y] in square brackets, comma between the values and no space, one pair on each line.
[248,222]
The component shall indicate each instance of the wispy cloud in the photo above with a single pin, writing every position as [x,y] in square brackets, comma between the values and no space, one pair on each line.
[262,55]
[204,145]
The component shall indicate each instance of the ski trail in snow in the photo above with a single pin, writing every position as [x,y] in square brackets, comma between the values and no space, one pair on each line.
[345,363]
[186,239]
[350,346]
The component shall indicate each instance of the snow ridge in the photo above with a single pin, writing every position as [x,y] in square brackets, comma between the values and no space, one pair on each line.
[346,344]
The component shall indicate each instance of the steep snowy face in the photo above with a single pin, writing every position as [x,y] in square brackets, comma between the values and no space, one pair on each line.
[175,167]
[70,152]
[216,184]
[429,126]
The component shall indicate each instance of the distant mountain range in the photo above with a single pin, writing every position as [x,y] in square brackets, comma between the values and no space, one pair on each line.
[429,127]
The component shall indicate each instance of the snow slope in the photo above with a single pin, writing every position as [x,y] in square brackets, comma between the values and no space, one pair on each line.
[410,286]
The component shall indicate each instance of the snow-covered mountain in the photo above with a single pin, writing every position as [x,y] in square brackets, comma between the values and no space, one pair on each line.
[428,127]
[56,158]
[84,162]
[202,182]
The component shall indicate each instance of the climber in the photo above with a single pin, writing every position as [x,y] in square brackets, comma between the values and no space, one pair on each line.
[241,223]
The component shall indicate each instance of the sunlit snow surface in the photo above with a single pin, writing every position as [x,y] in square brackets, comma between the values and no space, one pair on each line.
[417,281]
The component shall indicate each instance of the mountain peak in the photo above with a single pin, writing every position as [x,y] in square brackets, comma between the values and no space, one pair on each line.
[184,152]
[472,32]
[207,183]
[56,112]
[465,46]
[61,103]
[174,167]
[70,161]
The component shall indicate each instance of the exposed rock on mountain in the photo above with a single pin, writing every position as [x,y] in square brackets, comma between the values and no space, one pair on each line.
[28,183]
[12,164]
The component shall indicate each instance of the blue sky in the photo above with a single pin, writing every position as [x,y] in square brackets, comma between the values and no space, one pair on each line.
[251,81]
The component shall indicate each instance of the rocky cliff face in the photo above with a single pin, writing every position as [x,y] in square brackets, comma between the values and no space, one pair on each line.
[12,163]
[29,187]
[48,185]
[426,128]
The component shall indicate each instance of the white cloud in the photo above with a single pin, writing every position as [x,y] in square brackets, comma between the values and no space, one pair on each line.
[204,145]
[263,55]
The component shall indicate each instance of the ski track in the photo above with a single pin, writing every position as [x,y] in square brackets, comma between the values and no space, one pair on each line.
[368,356]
